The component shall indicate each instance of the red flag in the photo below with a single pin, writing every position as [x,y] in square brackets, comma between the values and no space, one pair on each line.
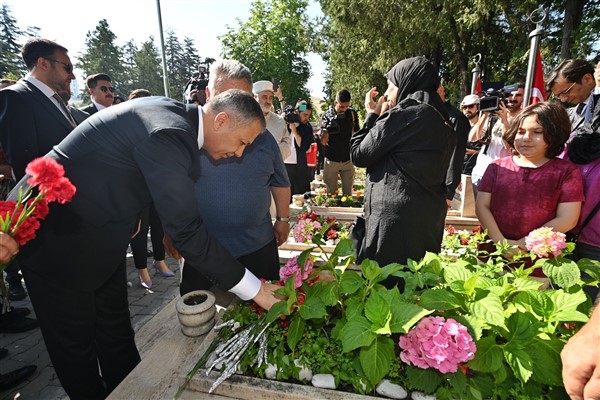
[478,87]
[538,93]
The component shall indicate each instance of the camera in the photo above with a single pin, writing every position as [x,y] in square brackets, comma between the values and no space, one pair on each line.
[330,123]
[492,99]
[195,88]
[290,116]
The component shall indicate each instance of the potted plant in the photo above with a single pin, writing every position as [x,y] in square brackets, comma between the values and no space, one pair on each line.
[497,335]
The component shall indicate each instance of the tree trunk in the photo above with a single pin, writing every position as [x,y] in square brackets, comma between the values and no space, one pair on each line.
[573,14]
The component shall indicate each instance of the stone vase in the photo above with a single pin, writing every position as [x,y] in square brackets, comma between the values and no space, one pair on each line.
[196,312]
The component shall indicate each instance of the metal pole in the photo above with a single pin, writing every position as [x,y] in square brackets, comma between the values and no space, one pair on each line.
[164,53]
[476,71]
[535,37]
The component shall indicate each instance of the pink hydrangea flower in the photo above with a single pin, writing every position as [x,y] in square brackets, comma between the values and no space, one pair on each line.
[301,273]
[544,242]
[437,343]
[305,229]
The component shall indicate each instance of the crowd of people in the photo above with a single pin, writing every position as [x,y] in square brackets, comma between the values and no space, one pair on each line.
[206,181]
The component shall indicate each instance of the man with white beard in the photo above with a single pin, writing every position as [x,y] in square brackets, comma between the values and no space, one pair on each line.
[263,93]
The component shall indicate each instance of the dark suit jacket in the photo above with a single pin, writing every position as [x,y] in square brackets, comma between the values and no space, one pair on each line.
[578,120]
[90,109]
[121,160]
[78,115]
[30,124]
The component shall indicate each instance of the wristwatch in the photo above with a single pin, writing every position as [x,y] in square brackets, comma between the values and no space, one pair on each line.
[282,219]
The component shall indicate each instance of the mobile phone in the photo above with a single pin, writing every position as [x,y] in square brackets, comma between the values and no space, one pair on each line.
[275,84]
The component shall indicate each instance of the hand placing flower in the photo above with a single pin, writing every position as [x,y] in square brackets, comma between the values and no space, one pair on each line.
[20,219]
[437,343]
[545,243]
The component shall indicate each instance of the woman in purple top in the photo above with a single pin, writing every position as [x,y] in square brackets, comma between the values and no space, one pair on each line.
[532,188]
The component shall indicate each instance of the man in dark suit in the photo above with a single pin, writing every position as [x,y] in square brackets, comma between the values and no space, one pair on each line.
[33,118]
[120,160]
[572,82]
[101,91]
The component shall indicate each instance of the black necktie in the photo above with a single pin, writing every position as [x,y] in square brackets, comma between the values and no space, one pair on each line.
[580,109]
[65,109]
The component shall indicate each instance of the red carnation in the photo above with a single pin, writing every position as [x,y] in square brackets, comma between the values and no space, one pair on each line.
[43,171]
[41,208]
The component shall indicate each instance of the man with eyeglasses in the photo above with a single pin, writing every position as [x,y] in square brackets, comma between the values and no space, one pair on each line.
[572,82]
[101,91]
[470,108]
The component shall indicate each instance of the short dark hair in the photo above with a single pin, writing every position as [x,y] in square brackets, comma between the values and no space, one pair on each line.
[137,93]
[92,80]
[571,70]
[303,102]
[343,96]
[38,47]
[552,117]
[241,106]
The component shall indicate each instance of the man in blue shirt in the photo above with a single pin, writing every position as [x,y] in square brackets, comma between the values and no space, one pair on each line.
[236,211]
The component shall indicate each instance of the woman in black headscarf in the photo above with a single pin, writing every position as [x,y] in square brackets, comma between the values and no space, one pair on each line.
[406,151]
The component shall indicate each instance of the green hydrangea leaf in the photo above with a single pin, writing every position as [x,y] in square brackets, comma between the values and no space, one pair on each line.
[566,274]
[535,301]
[566,302]
[370,270]
[295,332]
[351,281]
[326,291]
[590,267]
[547,366]
[519,361]
[376,359]
[424,380]
[457,272]
[520,330]
[488,356]
[357,333]
[343,248]
[276,310]
[489,309]
[439,299]
[405,316]
[313,308]
[377,309]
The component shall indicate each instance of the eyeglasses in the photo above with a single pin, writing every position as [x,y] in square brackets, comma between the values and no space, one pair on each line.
[106,89]
[469,106]
[68,67]
[567,90]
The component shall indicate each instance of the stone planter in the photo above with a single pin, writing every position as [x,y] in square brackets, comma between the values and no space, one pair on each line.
[196,312]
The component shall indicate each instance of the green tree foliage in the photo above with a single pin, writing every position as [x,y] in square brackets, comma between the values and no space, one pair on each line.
[149,69]
[102,55]
[362,39]
[273,43]
[182,62]
[11,64]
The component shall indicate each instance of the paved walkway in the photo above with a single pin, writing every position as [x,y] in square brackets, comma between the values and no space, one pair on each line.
[28,348]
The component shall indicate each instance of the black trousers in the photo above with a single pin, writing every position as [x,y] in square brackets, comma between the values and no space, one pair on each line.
[264,263]
[88,334]
[139,244]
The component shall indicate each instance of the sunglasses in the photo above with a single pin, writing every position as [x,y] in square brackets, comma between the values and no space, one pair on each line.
[68,67]
[567,90]
[106,89]
[467,107]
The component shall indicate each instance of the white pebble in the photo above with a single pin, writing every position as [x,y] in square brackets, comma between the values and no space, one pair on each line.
[422,396]
[305,373]
[391,390]
[323,381]
[271,371]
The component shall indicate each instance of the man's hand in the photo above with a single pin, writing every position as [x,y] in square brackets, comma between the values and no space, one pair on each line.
[170,248]
[282,230]
[580,359]
[8,248]
[266,296]
[370,105]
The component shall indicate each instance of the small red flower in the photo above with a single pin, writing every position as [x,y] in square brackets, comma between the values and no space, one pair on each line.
[451,230]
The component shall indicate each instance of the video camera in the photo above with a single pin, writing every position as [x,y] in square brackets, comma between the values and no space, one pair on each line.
[289,113]
[330,122]
[492,99]
[195,88]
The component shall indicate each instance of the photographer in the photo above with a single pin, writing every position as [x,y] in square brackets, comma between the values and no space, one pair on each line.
[489,130]
[337,126]
[195,88]
[296,166]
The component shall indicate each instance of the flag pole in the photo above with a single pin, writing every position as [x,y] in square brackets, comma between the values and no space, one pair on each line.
[535,37]
[476,71]
[163,52]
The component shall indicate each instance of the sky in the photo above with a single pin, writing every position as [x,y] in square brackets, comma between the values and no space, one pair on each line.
[67,22]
